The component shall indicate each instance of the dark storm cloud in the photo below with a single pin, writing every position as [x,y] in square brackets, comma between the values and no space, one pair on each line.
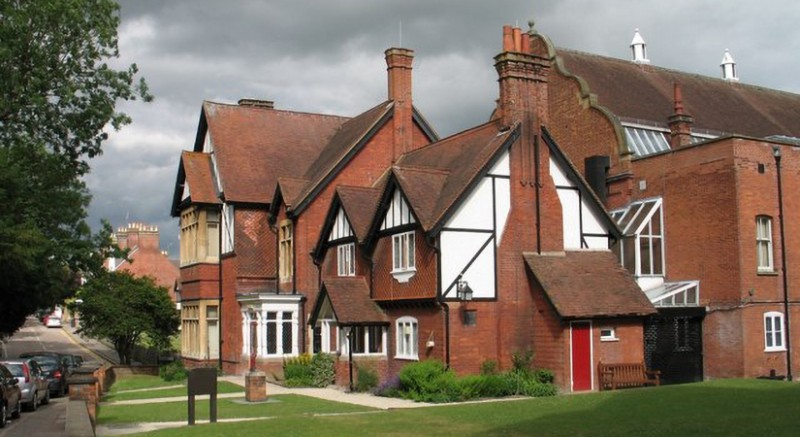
[327,56]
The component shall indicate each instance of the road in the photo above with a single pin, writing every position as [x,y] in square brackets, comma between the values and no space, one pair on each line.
[48,420]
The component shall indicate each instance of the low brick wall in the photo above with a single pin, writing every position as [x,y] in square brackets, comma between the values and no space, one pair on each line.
[79,423]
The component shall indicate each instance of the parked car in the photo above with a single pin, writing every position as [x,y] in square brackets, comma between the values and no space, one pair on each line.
[53,322]
[55,370]
[31,380]
[11,396]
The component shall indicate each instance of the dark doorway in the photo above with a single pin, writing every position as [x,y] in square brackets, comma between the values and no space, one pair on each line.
[673,344]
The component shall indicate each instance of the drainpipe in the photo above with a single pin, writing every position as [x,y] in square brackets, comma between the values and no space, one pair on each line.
[538,194]
[432,243]
[219,263]
[776,152]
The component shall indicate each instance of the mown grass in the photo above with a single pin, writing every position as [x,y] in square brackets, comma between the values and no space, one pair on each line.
[279,406]
[717,408]
[115,396]
[138,382]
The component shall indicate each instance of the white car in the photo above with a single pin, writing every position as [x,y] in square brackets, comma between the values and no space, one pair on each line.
[53,322]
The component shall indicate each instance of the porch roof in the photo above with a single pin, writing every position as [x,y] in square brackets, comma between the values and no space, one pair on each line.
[588,284]
[349,298]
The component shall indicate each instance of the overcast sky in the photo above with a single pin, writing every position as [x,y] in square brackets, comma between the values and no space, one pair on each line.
[327,57]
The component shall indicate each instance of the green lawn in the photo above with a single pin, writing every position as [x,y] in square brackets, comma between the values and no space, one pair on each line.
[718,408]
[138,382]
[114,396]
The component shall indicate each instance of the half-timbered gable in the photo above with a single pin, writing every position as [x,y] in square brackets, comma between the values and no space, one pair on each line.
[586,223]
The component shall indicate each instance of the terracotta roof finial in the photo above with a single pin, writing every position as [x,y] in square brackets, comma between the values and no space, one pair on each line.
[678,98]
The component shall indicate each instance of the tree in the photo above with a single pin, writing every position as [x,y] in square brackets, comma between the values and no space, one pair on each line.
[123,309]
[57,95]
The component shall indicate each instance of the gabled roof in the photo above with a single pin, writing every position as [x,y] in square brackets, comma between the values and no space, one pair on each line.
[575,176]
[644,92]
[255,146]
[344,145]
[436,177]
[588,284]
[359,205]
[200,177]
[196,171]
[289,190]
[349,298]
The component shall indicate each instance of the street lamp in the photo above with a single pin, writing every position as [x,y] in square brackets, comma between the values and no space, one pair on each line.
[776,153]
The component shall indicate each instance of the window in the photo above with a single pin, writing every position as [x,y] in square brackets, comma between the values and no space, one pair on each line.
[407,338]
[773,332]
[366,340]
[764,243]
[403,255]
[346,259]
[279,332]
[190,331]
[608,334]
[212,321]
[641,250]
[286,252]
[199,235]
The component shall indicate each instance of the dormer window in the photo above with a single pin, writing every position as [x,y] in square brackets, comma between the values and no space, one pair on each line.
[403,256]
[639,49]
[346,259]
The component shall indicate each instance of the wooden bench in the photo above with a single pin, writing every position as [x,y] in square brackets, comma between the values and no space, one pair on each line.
[623,375]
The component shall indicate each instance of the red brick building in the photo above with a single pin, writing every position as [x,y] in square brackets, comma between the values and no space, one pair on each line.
[145,257]
[370,238]
[715,247]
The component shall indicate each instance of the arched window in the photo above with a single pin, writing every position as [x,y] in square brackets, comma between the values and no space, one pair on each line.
[407,330]
[773,332]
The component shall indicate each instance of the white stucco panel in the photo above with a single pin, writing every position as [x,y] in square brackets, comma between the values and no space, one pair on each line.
[571,207]
[457,249]
[476,211]
[502,205]
[501,167]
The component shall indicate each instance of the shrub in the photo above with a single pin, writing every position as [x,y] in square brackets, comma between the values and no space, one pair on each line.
[323,372]
[534,388]
[297,371]
[174,371]
[429,381]
[366,380]
[544,376]
[389,388]
[489,367]
[521,361]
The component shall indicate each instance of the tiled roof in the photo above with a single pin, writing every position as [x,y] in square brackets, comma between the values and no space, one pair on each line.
[587,284]
[254,146]
[645,92]
[199,177]
[360,204]
[290,189]
[435,177]
[351,302]
[342,145]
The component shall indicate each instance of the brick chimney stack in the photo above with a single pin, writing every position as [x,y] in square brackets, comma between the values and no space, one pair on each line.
[680,123]
[398,63]
[522,76]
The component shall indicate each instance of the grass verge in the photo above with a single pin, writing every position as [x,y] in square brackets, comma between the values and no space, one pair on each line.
[717,408]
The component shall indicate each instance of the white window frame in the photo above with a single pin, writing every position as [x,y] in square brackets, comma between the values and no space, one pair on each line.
[407,338]
[346,259]
[344,340]
[774,336]
[764,241]
[608,333]
[404,256]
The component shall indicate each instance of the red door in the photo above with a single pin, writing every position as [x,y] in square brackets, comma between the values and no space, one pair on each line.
[581,336]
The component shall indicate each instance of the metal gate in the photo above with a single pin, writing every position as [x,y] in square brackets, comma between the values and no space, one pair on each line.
[673,344]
